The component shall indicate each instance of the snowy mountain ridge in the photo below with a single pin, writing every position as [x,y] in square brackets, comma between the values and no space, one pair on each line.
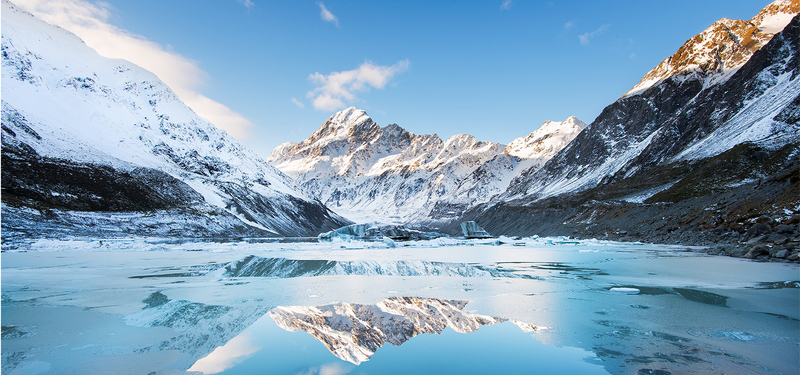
[676,119]
[718,51]
[65,104]
[371,173]
[688,160]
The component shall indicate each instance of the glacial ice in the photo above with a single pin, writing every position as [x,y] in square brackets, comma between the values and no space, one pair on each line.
[471,230]
[374,231]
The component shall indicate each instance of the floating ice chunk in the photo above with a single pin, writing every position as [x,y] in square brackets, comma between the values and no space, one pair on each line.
[624,290]
[472,230]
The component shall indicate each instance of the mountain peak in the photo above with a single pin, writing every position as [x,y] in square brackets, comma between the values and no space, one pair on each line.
[723,47]
[775,16]
[550,138]
[349,117]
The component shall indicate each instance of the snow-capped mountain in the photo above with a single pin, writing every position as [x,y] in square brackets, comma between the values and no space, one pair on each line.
[523,155]
[371,173]
[696,137]
[97,144]
[675,118]
[718,51]
[353,332]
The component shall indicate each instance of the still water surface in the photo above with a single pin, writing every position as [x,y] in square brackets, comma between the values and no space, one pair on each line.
[519,307]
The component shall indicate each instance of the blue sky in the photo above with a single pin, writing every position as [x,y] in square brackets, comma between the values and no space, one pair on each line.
[275,70]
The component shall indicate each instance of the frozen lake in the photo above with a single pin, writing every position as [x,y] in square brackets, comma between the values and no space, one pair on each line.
[548,306]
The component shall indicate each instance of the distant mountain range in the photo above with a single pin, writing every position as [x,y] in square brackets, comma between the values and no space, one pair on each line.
[704,149]
[371,173]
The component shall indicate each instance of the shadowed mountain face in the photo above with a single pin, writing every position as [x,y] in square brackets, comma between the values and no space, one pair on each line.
[353,332]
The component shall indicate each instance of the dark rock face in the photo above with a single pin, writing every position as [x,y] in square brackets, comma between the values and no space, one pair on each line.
[31,180]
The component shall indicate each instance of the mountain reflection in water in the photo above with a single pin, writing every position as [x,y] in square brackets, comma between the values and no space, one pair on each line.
[353,332]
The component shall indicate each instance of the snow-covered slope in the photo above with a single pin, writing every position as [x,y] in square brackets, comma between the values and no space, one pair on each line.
[523,155]
[684,116]
[353,332]
[546,141]
[387,174]
[66,107]
[718,51]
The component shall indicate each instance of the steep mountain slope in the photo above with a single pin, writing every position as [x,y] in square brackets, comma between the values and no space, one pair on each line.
[95,145]
[659,123]
[714,54]
[698,153]
[387,174]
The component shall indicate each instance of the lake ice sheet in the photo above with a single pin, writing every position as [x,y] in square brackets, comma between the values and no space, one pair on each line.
[540,305]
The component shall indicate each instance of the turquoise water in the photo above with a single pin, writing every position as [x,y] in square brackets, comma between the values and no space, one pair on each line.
[498,349]
[139,306]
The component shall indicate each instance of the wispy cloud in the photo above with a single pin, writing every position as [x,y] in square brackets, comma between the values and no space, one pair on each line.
[247,3]
[298,103]
[585,37]
[89,22]
[326,15]
[569,25]
[506,5]
[337,87]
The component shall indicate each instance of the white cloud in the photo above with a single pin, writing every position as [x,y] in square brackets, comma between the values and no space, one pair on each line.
[298,103]
[337,87]
[326,15]
[247,3]
[89,22]
[584,38]
[224,357]
[506,4]
[568,25]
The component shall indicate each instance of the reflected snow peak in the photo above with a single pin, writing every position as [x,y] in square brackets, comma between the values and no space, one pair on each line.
[353,332]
